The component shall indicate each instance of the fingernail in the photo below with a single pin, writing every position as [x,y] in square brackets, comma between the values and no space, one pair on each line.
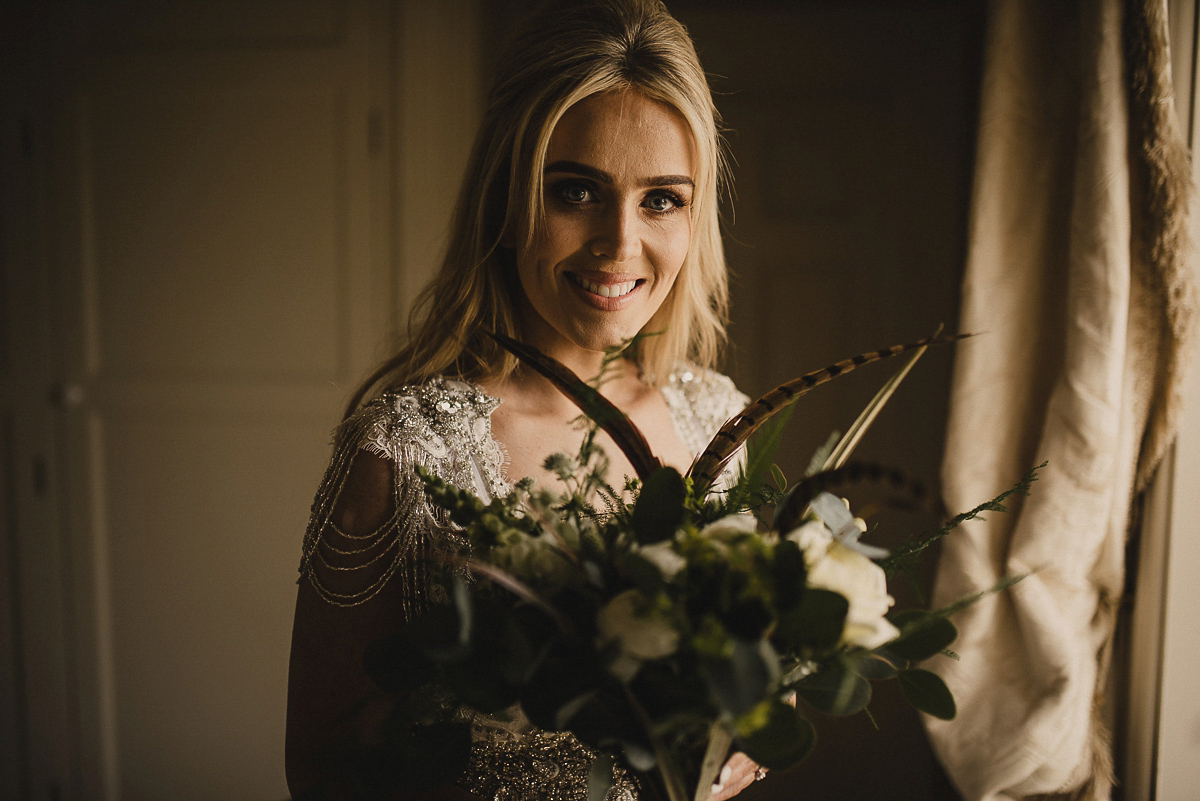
[726,772]
[716,788]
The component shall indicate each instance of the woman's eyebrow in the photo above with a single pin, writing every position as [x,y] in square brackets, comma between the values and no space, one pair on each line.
[588,171]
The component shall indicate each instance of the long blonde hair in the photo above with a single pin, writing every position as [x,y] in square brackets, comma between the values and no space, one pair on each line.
[570,52]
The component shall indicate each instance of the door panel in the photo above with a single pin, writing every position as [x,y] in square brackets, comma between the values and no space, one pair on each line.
[219,247]
[223,180]
[214,212]
[202,556]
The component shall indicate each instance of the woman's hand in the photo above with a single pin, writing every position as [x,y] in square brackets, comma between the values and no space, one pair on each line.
[739,773]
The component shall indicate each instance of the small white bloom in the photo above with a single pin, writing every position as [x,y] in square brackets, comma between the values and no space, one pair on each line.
[533,560]
[663,556]
[813,538]
[638,636]
[730,526]
[833,566]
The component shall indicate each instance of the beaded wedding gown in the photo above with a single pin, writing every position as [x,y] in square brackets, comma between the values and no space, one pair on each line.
[444,425]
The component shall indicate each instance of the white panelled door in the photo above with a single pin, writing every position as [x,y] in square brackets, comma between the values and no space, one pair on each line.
[219,288]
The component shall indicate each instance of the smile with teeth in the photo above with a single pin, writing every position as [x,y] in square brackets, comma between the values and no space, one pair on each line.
[605,290]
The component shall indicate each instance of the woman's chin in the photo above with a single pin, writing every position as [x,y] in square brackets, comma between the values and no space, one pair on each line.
[601,341]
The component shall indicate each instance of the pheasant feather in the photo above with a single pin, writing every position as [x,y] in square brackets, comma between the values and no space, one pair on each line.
[600,409]
[741,427]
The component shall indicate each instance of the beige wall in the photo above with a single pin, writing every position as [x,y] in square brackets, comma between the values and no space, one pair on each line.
[851,127]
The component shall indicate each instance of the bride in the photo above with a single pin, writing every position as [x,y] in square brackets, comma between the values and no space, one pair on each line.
[588,215]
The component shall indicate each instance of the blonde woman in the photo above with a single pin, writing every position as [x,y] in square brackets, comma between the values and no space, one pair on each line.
[589,214]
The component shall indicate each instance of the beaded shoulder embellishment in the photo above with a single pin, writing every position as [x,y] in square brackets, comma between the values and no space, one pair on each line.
[443,425]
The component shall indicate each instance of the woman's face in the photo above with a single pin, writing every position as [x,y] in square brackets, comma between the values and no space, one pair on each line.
[618,192]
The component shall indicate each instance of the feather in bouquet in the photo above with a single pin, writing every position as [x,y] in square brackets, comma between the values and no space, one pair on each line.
[664,624]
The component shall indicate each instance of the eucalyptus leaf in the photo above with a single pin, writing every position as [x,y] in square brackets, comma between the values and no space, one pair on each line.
[927,692]
[659,509]
[739,681]
[644,574]
[878,665]
[815,625]
[836,690]
[782,740]
[922,635]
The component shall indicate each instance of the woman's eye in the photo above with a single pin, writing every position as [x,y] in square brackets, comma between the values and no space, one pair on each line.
[575,193]
[663,203]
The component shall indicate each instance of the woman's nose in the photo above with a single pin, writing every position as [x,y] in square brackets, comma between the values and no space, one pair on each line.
[616,235]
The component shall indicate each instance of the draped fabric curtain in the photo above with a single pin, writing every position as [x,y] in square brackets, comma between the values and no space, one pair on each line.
[1077,284]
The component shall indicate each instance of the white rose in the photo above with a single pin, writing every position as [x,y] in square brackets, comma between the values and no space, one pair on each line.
[663,556]
[833,566]
[730,525]
[638,636]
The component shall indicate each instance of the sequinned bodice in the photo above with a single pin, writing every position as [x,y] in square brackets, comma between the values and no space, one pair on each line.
[444,425]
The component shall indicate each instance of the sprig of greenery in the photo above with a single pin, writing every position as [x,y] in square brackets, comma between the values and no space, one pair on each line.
[750,491]
[904,558]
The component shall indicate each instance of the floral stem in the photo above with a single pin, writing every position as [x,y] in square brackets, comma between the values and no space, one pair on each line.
[667,769]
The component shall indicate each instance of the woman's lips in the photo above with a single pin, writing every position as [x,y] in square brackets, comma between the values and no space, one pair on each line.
[606,291]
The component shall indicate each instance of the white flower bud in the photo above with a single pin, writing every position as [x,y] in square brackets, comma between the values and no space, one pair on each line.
[638,636]
[833,566]
[730,526]
[663,556]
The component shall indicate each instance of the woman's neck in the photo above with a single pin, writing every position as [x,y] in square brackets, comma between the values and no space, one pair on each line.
[535,394]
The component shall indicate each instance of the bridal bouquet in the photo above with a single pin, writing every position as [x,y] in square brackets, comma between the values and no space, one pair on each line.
[663,623]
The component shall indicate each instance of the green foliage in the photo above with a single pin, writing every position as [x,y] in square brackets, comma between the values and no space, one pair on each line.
[660,507]
[922,635]
[836,689]
[776,737]
[904,558]
[928,693]
[814,626]
[751,491]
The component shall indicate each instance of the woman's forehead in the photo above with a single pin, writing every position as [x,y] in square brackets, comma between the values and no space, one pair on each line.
[624,133]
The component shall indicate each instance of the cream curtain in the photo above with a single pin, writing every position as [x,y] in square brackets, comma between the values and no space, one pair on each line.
[1076,283]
